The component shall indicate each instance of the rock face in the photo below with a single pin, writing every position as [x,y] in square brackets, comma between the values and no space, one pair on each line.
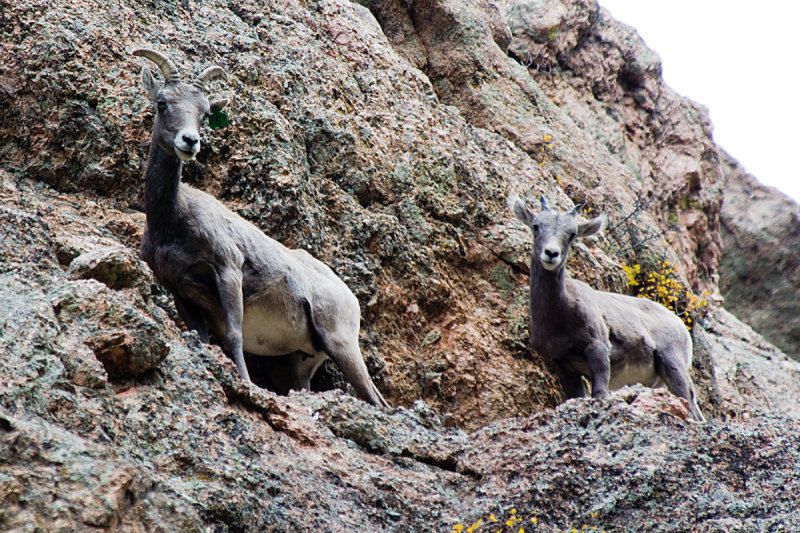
[760,267]
[383,138]
[124,336]
[600,73]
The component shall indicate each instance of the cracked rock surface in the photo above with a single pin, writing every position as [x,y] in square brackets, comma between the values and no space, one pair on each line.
[382,137]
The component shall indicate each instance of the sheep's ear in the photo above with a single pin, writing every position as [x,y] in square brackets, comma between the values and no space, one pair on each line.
[519,208]
[151,86]
[218,104]
[592,227]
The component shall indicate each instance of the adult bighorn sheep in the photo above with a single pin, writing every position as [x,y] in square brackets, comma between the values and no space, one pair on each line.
[223,272]
[611,339]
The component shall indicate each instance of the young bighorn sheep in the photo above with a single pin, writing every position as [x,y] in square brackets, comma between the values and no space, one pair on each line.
[611,339]
[223,272]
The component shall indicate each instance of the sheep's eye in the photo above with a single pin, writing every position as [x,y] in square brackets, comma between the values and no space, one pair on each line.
[162,107]
[536,228]
[572,236]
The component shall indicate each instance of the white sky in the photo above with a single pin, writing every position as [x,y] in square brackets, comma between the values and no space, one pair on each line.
[741,59]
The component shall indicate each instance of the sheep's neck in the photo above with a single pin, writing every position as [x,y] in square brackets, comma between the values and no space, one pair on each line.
[547,286]
[162,179]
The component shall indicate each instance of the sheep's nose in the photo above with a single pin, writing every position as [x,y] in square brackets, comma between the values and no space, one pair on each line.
[551,254]
[190,140]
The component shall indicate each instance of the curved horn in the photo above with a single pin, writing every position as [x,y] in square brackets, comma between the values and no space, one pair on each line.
[209,74]
[576,209]
[545,207]
[168,68]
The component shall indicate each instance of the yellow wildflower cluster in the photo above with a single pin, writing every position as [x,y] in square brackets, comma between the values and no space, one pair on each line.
[547,146]
[664,287]
[515,524]
[546,154]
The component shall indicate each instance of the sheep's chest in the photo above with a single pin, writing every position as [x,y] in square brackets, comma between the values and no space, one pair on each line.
[558,334]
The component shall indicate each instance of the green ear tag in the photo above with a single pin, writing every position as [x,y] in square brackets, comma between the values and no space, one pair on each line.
[218,119]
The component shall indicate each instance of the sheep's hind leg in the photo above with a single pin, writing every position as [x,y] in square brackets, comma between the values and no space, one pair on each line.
[675,375]
[350,362]
[344,351]
[347,356]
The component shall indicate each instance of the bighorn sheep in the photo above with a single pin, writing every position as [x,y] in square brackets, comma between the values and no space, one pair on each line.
[612,339]
[223,272]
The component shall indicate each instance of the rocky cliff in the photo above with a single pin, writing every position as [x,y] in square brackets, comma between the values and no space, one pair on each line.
[760,266]
[383,138]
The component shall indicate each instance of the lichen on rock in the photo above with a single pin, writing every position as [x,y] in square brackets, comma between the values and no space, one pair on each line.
[383,138]
[121,333]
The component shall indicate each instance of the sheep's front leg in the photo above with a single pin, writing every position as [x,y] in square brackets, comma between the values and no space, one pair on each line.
[230,296]
[597,357]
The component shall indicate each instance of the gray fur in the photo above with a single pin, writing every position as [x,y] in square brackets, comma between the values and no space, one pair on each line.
[611,339]
[225,275]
